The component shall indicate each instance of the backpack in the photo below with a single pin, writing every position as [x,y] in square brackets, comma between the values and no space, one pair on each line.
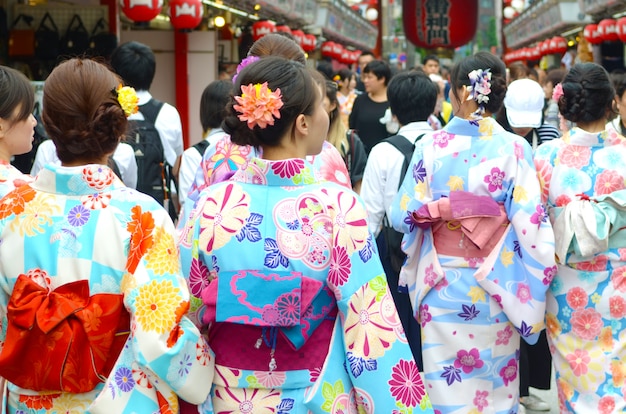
[393,238]
[152,171]
[201,146]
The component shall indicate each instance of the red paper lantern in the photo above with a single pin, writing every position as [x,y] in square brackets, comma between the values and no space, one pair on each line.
[535,52]
[141,10]
[346,57]
[620,28]
[185,14]
[298,35]
[262,27]
[558,44]
[442,23]
[606,30]
[327,49]
[337,51]
[592,35]
[283,28]
[308,42]
[544,47]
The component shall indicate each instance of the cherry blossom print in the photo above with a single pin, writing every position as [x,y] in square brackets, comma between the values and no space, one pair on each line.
[441,138]
[576,298]
[617,307]
[575,156]
[504,335]
[508,373]
[544,173]
[468,360]
[480,400]
[618,278]
[430,277]
[608,181]
[406,383]
[562,200]
[340,265]
[495,179]
[98,177]
[596,264]
[523,293]
[586,323]
[606,405]
[424,315]
[288,168]
[222,216]
[539,216]
[549,273]
[518,150]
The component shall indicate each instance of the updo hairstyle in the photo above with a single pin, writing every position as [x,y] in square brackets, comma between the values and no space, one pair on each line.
[274,44]
[80,110]
[299,93]
[15,92]
[482,60]
[588,93]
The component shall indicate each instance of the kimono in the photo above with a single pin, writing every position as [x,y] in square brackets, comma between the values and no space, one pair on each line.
[11,177]
[582,178]
[288,282]
[222,160]
[480,256]
[79,245]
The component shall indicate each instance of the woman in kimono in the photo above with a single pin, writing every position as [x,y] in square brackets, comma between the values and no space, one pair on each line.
[583,177]
[17,125]
[92,300]
[480,247]
[291,288]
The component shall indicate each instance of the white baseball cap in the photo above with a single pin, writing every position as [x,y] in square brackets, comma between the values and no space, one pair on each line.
[524,103]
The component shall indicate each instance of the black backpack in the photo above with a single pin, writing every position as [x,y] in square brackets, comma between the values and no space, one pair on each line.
[201,146]
[393,238]
[152,169]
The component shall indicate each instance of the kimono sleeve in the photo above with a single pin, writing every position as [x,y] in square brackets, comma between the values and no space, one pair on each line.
[163,340]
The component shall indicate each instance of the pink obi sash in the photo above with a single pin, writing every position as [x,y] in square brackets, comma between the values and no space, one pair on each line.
[463,224]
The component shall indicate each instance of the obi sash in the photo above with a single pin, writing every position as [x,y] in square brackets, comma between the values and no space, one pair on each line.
[463,224]
[268,304]
[62,340]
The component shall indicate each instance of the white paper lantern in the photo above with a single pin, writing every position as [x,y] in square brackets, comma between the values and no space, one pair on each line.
[371,14]
[509,12]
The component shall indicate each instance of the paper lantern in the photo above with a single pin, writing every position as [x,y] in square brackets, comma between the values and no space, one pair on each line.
[262,27]
[544,47]
[535,53]
[620,28]
[606,30]
[298,35]
[337,51]
[558,45]
[309,41]
[283,28]
[185,14]
[327,49]
[591,34]
[141,10]
[442,23]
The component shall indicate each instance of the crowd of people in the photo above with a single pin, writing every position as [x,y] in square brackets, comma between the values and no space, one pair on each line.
[426,241]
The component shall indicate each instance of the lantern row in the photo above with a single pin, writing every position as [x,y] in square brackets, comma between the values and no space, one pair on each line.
[557,44]
[607,30]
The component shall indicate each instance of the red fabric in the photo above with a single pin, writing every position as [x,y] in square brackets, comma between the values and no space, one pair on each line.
[62,340]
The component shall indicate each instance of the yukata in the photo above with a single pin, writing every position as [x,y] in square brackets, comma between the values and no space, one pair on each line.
[11,177]
[480,257]
[221,160]
[81,251]
[287,279]
[583,178]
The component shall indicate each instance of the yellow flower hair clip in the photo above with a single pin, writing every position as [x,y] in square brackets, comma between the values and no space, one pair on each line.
[337,78]
[128,100]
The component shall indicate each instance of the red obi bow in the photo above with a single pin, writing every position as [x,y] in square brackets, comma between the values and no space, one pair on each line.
[62,340]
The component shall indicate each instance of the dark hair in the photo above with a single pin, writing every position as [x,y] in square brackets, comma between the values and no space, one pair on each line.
[555,76]
[344,74]
[80,110]
[518,70]
[380,69]
[134,62]
[15,91]
[587,93]
[367,53]
[331,94]
[299,93]
[412,96]
[482,60]
[619,83]
[326,69]
[275,44]
[430,57]
[213,103]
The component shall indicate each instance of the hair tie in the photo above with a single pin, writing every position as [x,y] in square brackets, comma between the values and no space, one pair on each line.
[128,99]
[480,88]
[258,105]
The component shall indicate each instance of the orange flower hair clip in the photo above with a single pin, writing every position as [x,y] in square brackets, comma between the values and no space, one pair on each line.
[258,105]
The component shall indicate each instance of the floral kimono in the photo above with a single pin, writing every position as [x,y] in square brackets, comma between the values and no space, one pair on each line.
[89,271]
[287,279]
[480,257]
[11,177]
[583,177]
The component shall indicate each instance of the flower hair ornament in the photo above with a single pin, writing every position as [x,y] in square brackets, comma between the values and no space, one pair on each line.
[127,98]
[243,64]
[479,89]
[557,92]
[258,105]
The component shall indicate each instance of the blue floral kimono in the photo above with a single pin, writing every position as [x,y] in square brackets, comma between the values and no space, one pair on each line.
[11,177]
[480,258]
[286,278]
[78,232]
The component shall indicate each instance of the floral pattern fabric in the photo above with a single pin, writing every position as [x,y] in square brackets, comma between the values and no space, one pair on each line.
[11,177]
[82,224]
[472,310]
[277,223]
[587,299]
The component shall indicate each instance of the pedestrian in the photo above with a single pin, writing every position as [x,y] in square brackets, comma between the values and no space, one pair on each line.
[583,177]
[479,246]
[17,125]
[346,93]
[299,283]
[362,61]
[618,123]
[93,302]
[430,65]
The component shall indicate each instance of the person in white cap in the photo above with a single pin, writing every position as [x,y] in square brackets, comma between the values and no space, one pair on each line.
[522,112]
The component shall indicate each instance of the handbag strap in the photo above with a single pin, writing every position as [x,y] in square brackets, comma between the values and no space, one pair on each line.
[43,27]
[25,17]
[101,24]
[76,24]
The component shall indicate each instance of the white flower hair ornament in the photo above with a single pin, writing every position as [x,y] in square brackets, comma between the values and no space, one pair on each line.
[479,89]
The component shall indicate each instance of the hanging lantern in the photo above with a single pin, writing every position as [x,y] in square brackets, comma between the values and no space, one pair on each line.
[308,42]
[535,53]
[337,51]
[262,27]
[591,34]
[544,47]
[355,56]
[185,14]
[558,45]
[298,35]
[141,11]
[283,28]
[620,28]
[327,49]
[443,23]
[606,30]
